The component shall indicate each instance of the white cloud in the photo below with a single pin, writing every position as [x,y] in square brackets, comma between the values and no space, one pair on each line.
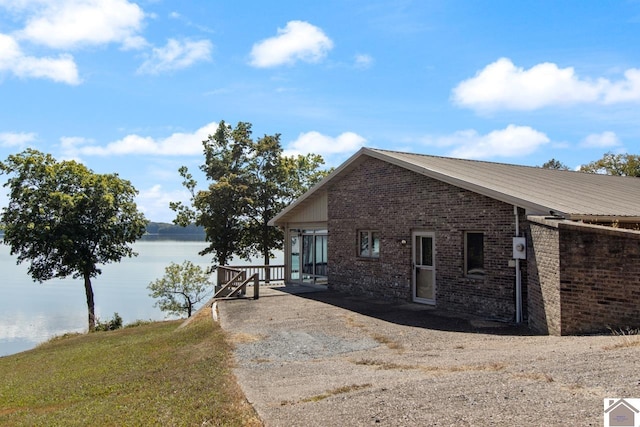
[176,55]
[20,5]
[601,140]
[502,85]
[62,69]
[184,20]
[177,144]
[626,90]
[68,24]
[9,51]
[154,202]
[71,142]
[19,140]
[363,61]
[298,41]
[70,147]
[513,141]
[315,142]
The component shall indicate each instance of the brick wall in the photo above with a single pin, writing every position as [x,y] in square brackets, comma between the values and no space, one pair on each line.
[394,201]
[599,278]
[584,278]
[544,277]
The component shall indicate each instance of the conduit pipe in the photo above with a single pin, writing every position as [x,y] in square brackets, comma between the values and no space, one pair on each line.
[518,275]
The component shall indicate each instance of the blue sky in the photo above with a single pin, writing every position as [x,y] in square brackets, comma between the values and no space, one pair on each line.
[134,87]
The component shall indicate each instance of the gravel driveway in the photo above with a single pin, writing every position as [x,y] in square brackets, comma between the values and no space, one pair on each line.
[327,359]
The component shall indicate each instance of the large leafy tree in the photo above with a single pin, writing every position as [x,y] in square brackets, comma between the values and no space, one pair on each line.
[615,164]
[302,172]
[276,181]
[250,182]
[64,219]
[267,192]
[220,208]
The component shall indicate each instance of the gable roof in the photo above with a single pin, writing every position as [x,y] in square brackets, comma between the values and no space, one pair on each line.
[573,195]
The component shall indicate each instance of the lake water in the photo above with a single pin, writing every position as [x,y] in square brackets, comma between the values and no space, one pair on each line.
[31,312]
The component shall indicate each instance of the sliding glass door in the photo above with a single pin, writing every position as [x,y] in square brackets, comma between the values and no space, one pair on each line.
[308,260]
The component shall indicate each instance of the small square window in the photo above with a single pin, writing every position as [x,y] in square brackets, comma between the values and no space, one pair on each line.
[474,254]
[369,244]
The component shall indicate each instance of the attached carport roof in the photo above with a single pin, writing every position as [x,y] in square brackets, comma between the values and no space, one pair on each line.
[574,195]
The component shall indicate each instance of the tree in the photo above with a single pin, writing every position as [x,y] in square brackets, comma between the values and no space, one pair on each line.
[301,173]
[219,208]
[615,164]
[181,288]
[275,181]
[65,219]
[267,193]
[555,164]
[251,181]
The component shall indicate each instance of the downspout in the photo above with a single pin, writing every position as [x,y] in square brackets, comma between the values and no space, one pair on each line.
[518,275]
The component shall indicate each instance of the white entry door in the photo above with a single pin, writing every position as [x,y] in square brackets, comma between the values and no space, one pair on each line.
[424,269]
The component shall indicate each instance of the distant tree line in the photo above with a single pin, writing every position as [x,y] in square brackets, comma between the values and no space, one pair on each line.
[610,164]
[163,229]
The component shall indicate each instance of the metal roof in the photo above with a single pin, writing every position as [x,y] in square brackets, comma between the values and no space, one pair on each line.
[574,195]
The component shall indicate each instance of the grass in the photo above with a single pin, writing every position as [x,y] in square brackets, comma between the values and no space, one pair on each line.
[154,374]
[495,366]
[534,376]
[629,337]
[382,339]
[334,392]
[339,390]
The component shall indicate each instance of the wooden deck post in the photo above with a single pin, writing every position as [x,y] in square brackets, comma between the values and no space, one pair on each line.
[221,280]
[256,286]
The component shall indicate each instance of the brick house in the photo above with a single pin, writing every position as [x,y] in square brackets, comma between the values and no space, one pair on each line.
[557,249]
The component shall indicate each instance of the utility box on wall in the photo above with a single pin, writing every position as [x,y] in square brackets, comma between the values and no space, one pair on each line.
[519,248]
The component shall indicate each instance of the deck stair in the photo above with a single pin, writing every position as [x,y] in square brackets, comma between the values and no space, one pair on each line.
[233,283]
[233,280]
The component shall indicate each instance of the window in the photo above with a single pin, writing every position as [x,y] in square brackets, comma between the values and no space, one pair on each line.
[369,244]
[474,254]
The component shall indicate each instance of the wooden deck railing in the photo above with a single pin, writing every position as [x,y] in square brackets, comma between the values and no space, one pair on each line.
[236,286]
[266,273]
[232,280]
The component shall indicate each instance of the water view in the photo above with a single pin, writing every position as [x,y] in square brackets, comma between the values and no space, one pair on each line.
[31,312]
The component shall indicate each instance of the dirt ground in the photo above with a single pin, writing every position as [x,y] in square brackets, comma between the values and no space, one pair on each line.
[327,359]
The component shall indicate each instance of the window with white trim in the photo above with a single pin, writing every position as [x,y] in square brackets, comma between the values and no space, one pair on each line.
[368,244]
[474,254]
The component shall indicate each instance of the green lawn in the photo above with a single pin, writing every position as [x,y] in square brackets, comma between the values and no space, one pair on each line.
[154,374]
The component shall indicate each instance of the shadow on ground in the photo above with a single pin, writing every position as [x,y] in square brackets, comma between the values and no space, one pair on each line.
[403,313]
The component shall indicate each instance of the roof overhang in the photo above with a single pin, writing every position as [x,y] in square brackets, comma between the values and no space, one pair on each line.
[531,207]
